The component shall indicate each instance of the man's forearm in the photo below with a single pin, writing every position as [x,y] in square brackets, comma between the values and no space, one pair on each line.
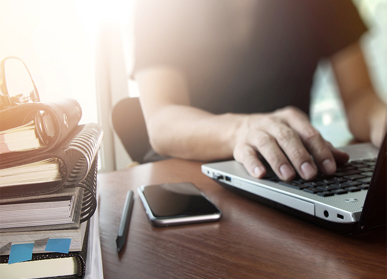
[367,118]
[191,133]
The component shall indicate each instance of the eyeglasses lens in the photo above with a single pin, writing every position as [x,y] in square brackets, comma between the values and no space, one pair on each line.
[18,81]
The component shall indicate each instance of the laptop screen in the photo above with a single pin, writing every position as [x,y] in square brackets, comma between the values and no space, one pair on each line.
[374,210]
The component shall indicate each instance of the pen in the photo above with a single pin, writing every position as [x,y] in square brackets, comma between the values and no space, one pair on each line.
[125,220]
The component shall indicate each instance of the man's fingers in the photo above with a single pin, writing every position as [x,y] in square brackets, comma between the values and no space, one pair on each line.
[268,147]
[312,140]
[248,157]
[340,156]
[289,143]
[294,149]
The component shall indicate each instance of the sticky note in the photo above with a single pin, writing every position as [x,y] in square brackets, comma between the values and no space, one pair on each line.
[20,253]
[60,245]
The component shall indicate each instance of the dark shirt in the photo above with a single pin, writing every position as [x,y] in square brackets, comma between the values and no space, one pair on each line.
[229,69]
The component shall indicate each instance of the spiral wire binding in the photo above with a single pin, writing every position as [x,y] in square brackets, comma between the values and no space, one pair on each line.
[83,149]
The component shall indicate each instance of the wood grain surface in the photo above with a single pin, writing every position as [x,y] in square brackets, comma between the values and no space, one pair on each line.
[250,241]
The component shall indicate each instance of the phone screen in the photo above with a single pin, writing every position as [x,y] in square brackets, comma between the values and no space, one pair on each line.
[174,203]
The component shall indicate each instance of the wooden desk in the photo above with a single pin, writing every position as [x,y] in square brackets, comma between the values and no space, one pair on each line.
[251,241]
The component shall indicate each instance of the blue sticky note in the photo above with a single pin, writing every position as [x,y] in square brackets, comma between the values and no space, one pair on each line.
[20,253]
[59,245]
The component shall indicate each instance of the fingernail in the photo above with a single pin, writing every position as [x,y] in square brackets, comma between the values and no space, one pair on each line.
[258,171]
[286,171]
[308,171]
[328,166]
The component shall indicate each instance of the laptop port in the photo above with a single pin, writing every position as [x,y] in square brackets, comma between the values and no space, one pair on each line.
[227,178]
[217,176]
[340,216]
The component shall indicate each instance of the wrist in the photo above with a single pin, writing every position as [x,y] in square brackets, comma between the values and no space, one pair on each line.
[241,130]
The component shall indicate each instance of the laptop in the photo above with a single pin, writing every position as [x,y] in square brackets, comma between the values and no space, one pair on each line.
[353,200]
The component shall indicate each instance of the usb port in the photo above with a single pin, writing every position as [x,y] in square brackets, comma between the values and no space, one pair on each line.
[340,216]
[227,178]
[218,176]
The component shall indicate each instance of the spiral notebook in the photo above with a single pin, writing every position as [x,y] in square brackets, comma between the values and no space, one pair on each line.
[82,196]
[42,172]
[77,165]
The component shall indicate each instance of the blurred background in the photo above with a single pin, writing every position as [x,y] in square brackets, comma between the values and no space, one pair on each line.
[82,49]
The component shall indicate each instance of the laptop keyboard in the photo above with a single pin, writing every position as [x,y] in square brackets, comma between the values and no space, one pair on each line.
[352,177]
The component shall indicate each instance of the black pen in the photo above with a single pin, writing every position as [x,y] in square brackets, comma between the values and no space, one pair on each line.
[125,220]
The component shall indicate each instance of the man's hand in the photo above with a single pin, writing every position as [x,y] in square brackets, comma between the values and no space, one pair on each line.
[285,138]
[288,142]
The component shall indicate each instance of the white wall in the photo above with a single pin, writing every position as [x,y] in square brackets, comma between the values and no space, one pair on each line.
[50,38]
[59,40]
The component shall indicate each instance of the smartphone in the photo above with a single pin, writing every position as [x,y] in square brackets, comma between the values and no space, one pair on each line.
[176,204]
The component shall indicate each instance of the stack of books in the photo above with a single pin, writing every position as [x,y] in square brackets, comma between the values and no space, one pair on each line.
[48,172]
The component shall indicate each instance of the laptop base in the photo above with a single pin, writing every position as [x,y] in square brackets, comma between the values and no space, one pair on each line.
[345,229]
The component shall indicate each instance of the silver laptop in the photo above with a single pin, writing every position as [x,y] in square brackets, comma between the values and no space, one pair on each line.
[353,200]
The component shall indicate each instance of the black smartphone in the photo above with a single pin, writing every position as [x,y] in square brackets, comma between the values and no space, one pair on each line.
[176,204]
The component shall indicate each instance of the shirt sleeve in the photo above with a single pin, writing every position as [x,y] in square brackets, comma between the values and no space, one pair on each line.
[160,34]
[337,24]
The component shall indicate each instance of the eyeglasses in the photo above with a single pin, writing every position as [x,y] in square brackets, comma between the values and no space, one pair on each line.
[17,87]
[16,83]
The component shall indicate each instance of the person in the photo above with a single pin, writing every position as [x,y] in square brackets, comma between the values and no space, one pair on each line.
[221,79]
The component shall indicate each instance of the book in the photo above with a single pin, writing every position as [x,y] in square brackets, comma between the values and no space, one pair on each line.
[36,172]
[21,138]
[67,164]
[40,239]
[68,207]
[61,207]
[49,264]
[38,126]
[42,268]
[87,263]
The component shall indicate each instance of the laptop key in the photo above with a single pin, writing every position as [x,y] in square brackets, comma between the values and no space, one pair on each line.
[365,180]
[360,165]
[294,185]
[350,183]
[313,190]
[328,181]
[328,187]
[340,180]
[340,191]
[369,174]
[366,169]
[325,194]
[314,184]
[353,189]
[345,168]
[364,186]
[341,185]
[346,173]
[354,177]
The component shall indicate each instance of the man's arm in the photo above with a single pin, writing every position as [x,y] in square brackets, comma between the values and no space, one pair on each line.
[366,112]
[285,138]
